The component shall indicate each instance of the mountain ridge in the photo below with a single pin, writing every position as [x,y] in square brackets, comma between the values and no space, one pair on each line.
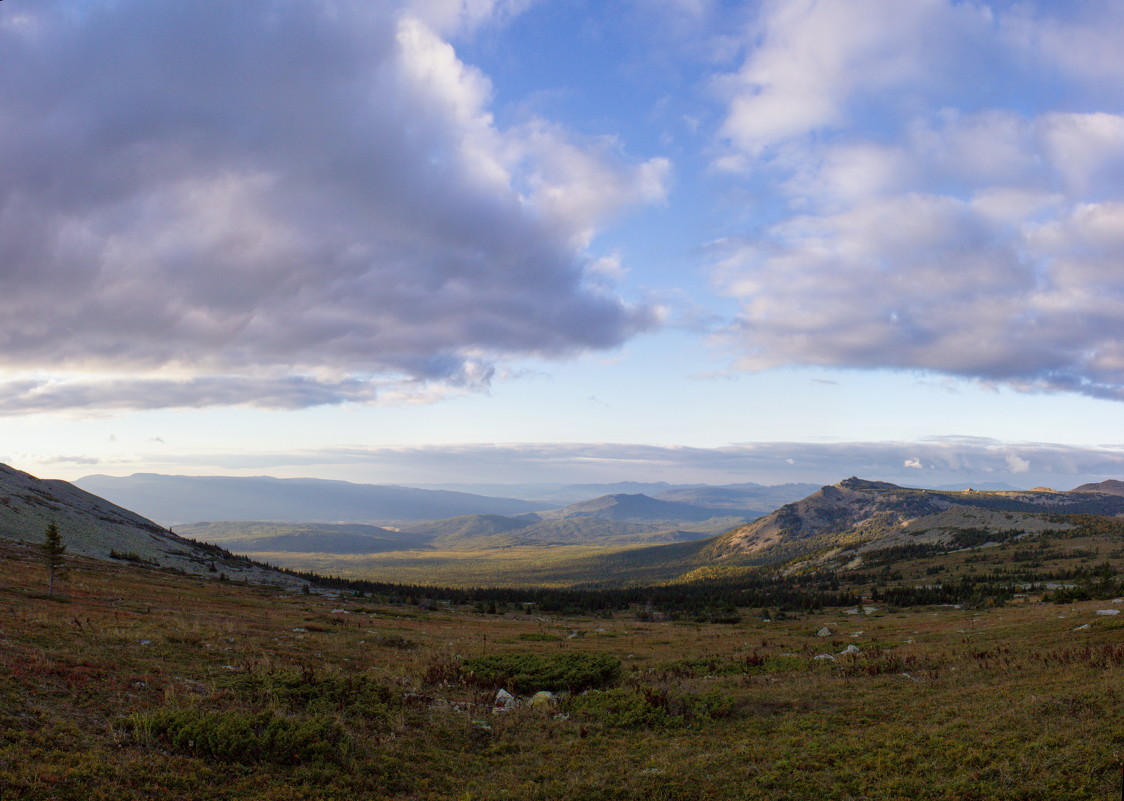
[869,513]
[189,499]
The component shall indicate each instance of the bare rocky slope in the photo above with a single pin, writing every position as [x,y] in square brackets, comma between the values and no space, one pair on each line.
[862,515]
[92,526]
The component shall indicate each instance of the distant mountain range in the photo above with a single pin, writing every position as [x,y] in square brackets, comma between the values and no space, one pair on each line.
[190,499]
[691,531]
[175,500]
[551,496]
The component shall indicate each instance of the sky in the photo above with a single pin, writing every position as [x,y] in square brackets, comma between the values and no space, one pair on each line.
[434,241]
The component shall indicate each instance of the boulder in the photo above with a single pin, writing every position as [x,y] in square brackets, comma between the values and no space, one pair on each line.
[504,702]
[543,699]
[824,632]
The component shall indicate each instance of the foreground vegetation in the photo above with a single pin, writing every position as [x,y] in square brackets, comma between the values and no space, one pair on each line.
[133,683]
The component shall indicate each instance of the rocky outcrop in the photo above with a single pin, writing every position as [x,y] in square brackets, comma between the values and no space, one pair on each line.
[863,515]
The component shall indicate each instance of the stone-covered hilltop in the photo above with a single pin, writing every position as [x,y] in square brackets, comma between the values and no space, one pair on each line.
[876,514]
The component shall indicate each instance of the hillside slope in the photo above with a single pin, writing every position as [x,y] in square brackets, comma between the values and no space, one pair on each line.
[92,526]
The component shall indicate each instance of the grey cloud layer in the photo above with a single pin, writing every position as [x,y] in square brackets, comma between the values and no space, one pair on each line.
[949,460]
[275,202]
[949,179]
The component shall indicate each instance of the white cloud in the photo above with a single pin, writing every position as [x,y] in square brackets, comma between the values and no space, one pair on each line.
[285,204]
[913,222]
[812,62]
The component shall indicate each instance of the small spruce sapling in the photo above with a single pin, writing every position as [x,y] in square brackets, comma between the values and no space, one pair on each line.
[53,550]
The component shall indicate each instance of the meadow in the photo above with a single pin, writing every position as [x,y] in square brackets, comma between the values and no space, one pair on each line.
[136,683]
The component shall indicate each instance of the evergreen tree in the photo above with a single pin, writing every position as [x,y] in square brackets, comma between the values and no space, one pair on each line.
[53,550]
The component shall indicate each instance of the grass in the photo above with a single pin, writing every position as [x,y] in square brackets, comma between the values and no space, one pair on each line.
[148,684]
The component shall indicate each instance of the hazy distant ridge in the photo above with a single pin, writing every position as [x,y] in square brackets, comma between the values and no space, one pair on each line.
[190,499]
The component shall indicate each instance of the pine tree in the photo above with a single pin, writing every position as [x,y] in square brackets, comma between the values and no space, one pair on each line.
[53,550]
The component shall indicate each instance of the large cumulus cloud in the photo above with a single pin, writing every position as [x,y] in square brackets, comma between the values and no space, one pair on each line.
[940,189]
[283,202]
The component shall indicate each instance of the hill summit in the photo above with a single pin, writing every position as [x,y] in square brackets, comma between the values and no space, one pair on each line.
[625,506]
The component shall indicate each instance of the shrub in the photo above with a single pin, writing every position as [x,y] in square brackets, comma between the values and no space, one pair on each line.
[233,736]
[649,707]
[312,691]
[539,636]
[571,672]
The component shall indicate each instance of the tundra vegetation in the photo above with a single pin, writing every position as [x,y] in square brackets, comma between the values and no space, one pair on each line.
[139,683]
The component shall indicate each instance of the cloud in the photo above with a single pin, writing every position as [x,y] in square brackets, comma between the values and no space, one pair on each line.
[812,66]
[914,221]
[284,204]
[927,463]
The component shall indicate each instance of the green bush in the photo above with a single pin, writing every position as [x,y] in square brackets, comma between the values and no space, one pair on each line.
[572,672]
[312,691]
[248,738]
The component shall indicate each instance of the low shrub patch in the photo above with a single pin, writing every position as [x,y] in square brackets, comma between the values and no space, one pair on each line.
[248,738]
[568,672]
[539,636]
[648,707]
[315,691]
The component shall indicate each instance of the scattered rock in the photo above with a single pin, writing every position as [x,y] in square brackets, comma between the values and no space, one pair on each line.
[851,649]
[1079,628]
[824,632]
[504,702]
[340,612]
[298,628]
[824,656]
[1108,611]
[543,699]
